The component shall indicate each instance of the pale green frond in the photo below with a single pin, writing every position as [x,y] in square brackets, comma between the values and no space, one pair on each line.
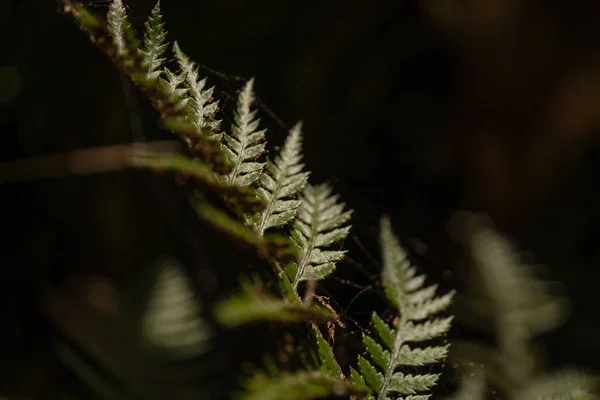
[283,178]
[246,142]
[414,302]
[506,294]
[203,109]
[117,24]
[171,323]
[154,44]
[319,224]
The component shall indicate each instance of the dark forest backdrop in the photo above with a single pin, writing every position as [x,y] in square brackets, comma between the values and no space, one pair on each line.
[412,108]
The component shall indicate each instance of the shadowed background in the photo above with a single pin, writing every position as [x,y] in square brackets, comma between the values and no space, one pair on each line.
[412,108]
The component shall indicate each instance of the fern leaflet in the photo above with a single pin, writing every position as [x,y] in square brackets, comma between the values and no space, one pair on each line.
[318,225]
[154,44]
[243,145]
[117,23]
[203,108]
[282,179]
[405,290]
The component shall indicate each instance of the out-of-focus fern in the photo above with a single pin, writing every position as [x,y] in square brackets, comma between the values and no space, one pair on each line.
[507,296]
[171,322]
[392,351]
[244,145]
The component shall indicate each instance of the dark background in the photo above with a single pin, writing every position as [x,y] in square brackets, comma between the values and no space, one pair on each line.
[411,108]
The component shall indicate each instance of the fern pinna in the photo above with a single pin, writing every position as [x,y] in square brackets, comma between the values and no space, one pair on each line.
[391,351]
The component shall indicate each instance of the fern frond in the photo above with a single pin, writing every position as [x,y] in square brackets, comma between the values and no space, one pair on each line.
[283,179]
[318,225]
[253,304]
[172,322]
[117,24]
[244,145]
[405,290]
[154,44]
[203,108]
